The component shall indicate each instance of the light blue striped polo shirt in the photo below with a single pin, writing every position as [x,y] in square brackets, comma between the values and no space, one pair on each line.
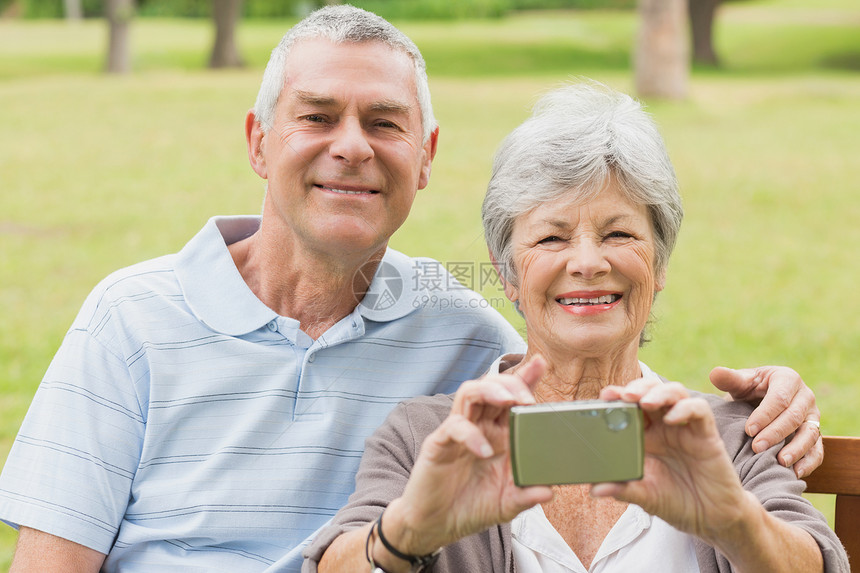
[183,425]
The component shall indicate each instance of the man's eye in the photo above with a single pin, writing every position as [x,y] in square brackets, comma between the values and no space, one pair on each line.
[314,118]
[384,123]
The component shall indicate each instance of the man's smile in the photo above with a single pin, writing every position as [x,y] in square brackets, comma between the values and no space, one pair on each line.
[345,191]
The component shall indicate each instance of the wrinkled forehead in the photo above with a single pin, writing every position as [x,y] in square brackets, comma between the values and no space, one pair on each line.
[600,204]
[319,48]
[354,67]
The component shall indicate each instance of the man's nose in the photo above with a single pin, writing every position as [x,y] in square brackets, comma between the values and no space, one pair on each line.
[350,143]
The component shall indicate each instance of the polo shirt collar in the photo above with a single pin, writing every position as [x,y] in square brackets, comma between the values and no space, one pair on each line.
[218,295]
[213,287]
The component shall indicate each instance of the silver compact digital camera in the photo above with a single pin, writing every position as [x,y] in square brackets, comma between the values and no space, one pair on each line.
[585,441]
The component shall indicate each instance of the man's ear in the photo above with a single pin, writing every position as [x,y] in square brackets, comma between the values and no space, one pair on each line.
[429,154]
[510,290]
[254,137]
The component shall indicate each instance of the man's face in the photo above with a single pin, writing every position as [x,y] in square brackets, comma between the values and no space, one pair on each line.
[345,156]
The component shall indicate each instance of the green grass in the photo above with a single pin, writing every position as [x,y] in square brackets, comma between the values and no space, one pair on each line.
[100,172]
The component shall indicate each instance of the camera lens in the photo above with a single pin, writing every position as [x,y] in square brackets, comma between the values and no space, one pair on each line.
[617,419]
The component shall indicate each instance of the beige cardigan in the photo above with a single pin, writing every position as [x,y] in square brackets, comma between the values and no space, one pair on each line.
[391,452]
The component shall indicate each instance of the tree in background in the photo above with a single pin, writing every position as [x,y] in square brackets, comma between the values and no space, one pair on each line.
[119,14]
[702,14]
[661,62]
[73,9]
[225,15]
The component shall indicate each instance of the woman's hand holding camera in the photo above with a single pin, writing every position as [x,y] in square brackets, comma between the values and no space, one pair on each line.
[462,483]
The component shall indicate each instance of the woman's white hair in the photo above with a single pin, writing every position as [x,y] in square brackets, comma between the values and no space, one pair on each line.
[341,24]
[578,137]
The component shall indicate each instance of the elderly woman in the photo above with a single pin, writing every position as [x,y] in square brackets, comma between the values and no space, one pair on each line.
[581,215]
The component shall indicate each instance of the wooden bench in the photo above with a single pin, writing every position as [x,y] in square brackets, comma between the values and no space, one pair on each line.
[840,475]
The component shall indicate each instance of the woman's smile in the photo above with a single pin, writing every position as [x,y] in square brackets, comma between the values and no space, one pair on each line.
[588,303]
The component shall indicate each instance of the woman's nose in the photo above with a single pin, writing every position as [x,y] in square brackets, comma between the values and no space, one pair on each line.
[350,143]
[587,260]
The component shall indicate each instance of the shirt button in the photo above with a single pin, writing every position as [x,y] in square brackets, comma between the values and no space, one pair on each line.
[311,357]
[273,326]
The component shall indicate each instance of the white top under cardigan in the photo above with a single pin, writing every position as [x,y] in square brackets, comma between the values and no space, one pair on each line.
[637,542]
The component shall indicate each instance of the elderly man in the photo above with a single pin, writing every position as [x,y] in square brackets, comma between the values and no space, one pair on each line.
[208,409]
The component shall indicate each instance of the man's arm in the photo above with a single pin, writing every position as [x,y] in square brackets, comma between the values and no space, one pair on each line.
[40,551]
[786,405]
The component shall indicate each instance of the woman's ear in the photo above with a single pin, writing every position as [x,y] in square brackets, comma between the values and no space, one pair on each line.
[660,280]
[510,290]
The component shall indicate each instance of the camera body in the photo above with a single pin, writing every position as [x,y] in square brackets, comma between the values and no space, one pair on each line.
[586,441]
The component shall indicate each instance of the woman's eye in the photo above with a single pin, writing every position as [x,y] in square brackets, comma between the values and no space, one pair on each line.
[619,235]
[550,239]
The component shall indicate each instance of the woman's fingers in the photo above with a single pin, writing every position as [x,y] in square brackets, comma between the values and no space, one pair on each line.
[611,393]
[632,391]
[651,394]
[609,489]
[530,372]
[694,413]
[686,465]
[670,403]
[663,396]
[494,394]
[482,398]
[532,495]
[459,430]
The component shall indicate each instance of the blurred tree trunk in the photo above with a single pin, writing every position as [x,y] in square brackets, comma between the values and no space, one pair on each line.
[73,9]
[119,14]
[702,14]
[225,14]
[11,10]
[661,58]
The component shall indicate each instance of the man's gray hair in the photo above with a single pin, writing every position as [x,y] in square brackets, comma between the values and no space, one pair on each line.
[578,137]
[341,24]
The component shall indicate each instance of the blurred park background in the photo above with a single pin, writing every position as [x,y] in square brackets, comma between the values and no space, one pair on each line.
[99,171]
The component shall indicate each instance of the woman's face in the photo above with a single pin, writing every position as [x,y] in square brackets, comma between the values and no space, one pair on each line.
[586,273]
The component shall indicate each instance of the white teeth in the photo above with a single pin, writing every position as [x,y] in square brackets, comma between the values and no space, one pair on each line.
[345,192]
[605,299]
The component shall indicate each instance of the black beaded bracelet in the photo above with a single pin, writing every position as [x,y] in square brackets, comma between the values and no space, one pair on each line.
[368,552]
[418,562]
